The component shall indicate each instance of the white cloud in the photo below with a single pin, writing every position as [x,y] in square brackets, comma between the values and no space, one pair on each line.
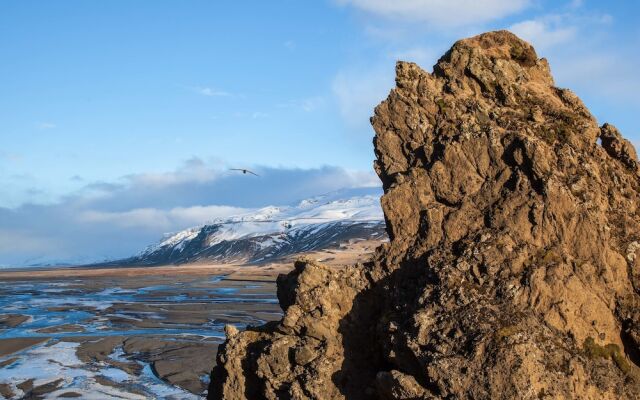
[592,74]
[194,170]
[546,32]
[211,92]
[154,218]
[357,92]
[115,220]
[363,179]
[440,12]
[583,55]
[551,30]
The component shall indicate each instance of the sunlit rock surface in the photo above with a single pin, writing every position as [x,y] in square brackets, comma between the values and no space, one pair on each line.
[512,270]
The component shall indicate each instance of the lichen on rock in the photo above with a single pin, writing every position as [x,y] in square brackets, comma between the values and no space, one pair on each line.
[511,271]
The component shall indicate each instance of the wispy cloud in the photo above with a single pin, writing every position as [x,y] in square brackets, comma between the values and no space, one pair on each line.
[357,91]
[259,115]
[308,104]
[439,12]
[576,3]
[45,125]
[210,92]
[162,220]
[251,115]
[592,74]
[545,32]
[582,55]
[552,30]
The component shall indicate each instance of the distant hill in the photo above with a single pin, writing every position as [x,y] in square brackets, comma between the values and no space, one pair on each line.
[273,232]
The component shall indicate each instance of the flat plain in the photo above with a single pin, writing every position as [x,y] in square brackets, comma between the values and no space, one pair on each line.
[132,332]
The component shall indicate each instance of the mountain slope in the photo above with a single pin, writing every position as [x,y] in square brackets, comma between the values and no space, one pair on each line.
[272,232]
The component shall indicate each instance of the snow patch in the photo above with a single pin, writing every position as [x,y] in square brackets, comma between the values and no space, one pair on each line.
[273,222]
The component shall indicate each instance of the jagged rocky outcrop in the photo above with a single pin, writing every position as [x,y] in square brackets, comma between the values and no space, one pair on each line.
[513,270]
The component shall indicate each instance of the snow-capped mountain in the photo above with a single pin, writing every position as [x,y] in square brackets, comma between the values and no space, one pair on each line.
[273,232]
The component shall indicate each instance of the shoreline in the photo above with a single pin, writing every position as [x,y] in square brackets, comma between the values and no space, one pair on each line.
[136,271]
[345,255]
[111,326]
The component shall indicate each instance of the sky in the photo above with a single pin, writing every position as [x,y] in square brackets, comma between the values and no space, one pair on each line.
[119,120]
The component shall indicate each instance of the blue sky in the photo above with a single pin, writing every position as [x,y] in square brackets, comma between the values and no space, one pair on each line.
[134,110]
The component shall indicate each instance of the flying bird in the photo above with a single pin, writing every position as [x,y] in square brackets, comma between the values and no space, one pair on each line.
[244,171]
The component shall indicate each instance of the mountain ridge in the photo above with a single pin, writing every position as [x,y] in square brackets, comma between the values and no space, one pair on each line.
[272,232]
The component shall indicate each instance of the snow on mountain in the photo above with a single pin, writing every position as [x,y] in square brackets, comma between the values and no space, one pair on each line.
[271,232]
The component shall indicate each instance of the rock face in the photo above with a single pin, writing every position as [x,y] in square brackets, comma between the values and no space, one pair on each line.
[513,270]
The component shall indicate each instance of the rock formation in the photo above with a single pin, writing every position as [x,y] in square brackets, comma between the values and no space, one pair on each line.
[513,270]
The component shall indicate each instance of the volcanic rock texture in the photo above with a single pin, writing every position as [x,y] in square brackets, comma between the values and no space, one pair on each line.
[513,270]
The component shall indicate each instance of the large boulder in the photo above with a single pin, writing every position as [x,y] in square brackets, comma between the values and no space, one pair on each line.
[513,270]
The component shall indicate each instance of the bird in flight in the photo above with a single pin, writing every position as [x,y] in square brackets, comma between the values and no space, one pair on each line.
[244,171]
